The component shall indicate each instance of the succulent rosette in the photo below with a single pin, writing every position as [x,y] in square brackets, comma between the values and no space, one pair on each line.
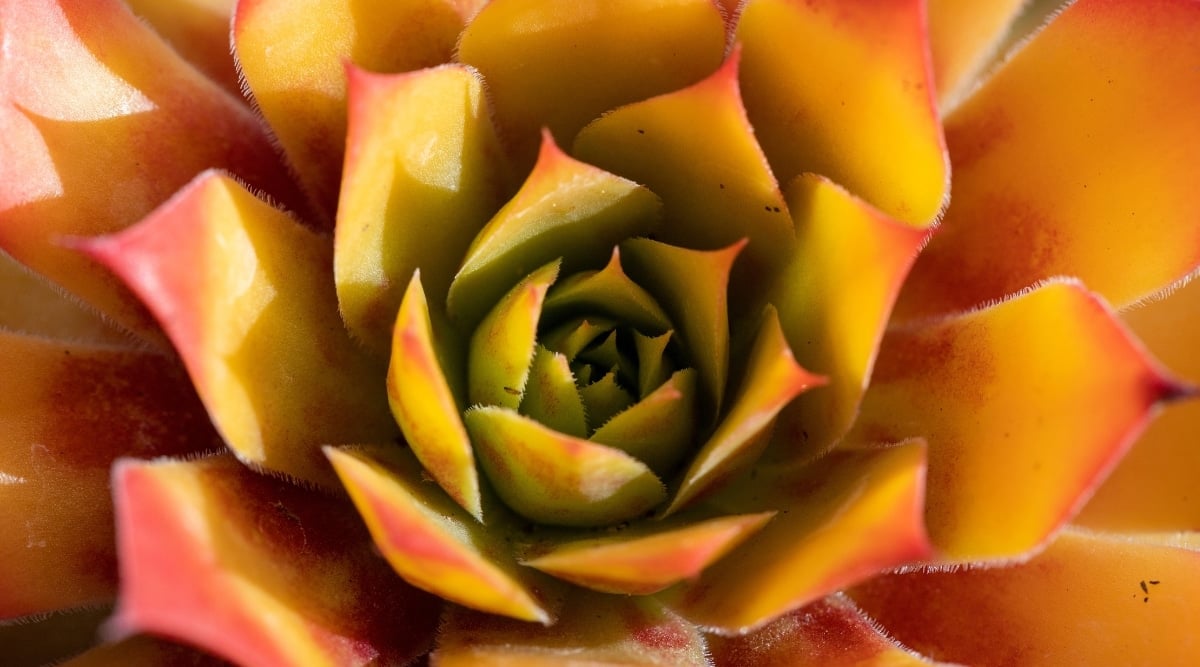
[599,332]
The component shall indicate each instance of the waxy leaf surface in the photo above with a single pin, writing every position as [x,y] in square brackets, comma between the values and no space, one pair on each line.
[246,296]
[1049,178]
[1026,407]
[280,575]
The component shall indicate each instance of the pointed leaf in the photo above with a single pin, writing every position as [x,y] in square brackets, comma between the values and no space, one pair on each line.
[773,378]
[247,297]
[608,292]
[552,478]
[32,305]
[144,651]
[834,298]
[830,631]
[840,521]
[101,121]
[49,638]
[545,221]
[653,366]
[604,398]
[279,575]
[658,430]
[845,91]
[570,338]
[551,397]
[715,185]
[420,147]
[432,543]
[555,67]
[295,67]
[641,562]
[424,406]
[692,285]
[70,410]
[1153,488]
[1045,389]
[1090,599]
[594,630]
[503,345]
[1048,185]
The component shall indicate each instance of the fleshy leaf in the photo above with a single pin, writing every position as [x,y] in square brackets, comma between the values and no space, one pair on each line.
[280,575]
[424,405]
[32,305]
[70,410]
[551,396]
[1153,488]
[47,639]
[431,542]
[830,631]
[773,378]
[560,66]
[144,651]
[715,184]
[609,292]
[594,630]
[553,478]
[295,67]
[1046,389]
[1089,599]
[546,220]
[571,338]
[963,36]
[604,398]
[1057,184]
[845,90]
[199,31]
[834,298]
[100,121]
[658,430]
[422,176]
[503,345]
[247,297]
[692,285]
[840,521]
[653,366]
[641,562]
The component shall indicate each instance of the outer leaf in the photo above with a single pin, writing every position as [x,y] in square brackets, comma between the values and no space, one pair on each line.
[963,36]
[834,299]
[32,305]
[595,630]
[45,640]
[840,521]
[1050,180]
[424,406]
[1045,389]
[640,562]
[431,543]
[295,68]
[100,121]
[695,148]
[1153,488]
[545,221]
[1089,599]
[831,631]
[69,410]
[422,176]
[773,378]
[560,66]
[247,297]
[845,90]
[199,31]
[144,652]
[281,576]
[552,478]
